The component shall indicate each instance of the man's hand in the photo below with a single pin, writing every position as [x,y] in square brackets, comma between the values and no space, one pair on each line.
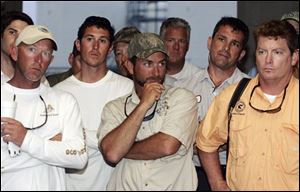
[12,131]
[151,93]
[57,137]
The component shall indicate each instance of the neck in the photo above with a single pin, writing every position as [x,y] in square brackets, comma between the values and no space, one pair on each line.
[6,65]
[218,76]
[174,68]
[91,74]
[23,83]
[274,86]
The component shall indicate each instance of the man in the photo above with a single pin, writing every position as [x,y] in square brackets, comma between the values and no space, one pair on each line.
[120,46]
[226,48]
[264,125]
[12,23]
[149,134]
[176,33]
[48,131]
[74,61]
[93,87]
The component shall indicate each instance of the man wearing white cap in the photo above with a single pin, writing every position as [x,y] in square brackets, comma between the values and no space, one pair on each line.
[48,133]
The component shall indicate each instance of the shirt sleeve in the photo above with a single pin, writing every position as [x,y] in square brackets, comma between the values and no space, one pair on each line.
[71,151]
[212,131]
[181,117]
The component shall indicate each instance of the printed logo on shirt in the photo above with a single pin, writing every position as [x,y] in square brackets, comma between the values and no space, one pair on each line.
[50,111]
[240,106]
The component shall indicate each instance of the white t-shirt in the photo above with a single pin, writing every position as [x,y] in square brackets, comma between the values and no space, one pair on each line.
[40,166]
[91,98]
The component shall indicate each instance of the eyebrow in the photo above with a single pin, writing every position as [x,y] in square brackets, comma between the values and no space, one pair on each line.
[13,29]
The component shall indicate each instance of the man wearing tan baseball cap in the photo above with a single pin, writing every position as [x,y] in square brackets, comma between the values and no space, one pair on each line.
[148,135]
[47,134]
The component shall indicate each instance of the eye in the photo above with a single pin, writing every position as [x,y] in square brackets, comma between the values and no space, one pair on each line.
[221,39]
[163,64]
[278,52]
[32,49]
[260,52]
[89,38]
[236,44]
[103,41]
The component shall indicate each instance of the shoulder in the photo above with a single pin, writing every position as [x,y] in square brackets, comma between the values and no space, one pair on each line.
[61,95]
[121,79]
[192,80]
[179,93]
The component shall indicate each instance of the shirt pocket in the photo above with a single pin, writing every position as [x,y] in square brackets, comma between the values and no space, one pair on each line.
[288,154]
[239,144]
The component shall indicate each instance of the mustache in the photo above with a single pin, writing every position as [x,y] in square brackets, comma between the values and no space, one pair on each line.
[151,79]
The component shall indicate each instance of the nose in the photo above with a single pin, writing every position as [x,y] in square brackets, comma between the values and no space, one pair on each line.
[155,71]
[39,58]
[269,58]
[176,45]
[227,46]
[96,45]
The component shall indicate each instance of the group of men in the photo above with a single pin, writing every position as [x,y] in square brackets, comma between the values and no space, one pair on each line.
[148,128]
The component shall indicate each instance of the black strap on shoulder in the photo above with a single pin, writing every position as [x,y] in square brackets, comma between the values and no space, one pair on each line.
[237,93]
[235,97]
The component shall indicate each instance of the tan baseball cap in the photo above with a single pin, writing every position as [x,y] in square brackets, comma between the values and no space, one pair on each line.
[34,33]
[145,44]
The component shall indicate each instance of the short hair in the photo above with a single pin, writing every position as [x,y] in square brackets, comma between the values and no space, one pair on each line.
[236,24]
[278,29]
[8,17]
[99,22]
[175,22]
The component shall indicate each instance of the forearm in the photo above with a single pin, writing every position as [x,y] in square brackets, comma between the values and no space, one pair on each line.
[154,147]
[116,144]
[211,164]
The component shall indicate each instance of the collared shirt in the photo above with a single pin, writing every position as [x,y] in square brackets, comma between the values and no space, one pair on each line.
[187,71]
[264,147]
[204,90]
[176,116]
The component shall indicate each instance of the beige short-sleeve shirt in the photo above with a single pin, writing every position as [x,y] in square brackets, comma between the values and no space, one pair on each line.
[176,115]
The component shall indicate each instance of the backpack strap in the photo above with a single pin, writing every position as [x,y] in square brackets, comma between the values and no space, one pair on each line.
[235,97]
[237,93]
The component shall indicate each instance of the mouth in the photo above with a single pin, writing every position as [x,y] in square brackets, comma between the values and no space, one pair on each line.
[222,54]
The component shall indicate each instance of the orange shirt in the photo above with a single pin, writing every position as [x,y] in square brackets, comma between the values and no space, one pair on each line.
[264,147]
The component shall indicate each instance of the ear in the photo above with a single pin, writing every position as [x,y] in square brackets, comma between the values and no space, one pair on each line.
[129,66]
[77,43]
[14,52]
[110,49]
[295,57]
[209,42]
[243,53]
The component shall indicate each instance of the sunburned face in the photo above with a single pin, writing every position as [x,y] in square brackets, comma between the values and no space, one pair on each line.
[273,58]
[33,60]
